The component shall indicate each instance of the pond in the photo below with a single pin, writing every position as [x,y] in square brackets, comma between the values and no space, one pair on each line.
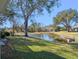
[47,37]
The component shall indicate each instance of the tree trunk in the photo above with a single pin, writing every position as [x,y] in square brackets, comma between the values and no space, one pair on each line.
[68,28]
[13,30]
[26,23]
[26,26]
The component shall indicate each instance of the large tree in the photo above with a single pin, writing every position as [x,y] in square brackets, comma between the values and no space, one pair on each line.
[66,18]
[6,13]
[10,14]
[30,7]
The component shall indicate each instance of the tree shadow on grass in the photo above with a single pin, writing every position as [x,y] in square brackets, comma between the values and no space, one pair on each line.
[74,45]
[39,41]
[27,53]
[36,55]
[30,54]
[22,51]
[23,41]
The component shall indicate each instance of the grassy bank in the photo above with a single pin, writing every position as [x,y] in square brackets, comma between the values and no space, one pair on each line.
[64,33]
[31,48]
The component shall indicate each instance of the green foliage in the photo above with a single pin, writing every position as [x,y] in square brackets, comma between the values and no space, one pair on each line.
[28,8]
[3,34]
[63,29]
[66,18]
[57,28]
[33,7]
[7,33]
[35,27]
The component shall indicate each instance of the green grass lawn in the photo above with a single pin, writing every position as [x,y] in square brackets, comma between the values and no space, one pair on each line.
[31,48]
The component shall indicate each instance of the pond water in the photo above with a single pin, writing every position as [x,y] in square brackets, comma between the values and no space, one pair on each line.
[46,37]
[49,37]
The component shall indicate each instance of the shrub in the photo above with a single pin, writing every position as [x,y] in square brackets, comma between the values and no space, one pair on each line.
[2,35]
[7,33]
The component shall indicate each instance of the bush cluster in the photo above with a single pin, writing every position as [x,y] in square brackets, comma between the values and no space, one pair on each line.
[3,34]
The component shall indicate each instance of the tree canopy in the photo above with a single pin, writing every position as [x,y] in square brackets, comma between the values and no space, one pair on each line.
[66,18]
[30,7]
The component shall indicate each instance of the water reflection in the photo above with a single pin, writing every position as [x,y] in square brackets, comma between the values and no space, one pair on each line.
[47,37]
[51,38]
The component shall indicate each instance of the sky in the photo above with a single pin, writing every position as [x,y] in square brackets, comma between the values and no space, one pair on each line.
[47,19]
